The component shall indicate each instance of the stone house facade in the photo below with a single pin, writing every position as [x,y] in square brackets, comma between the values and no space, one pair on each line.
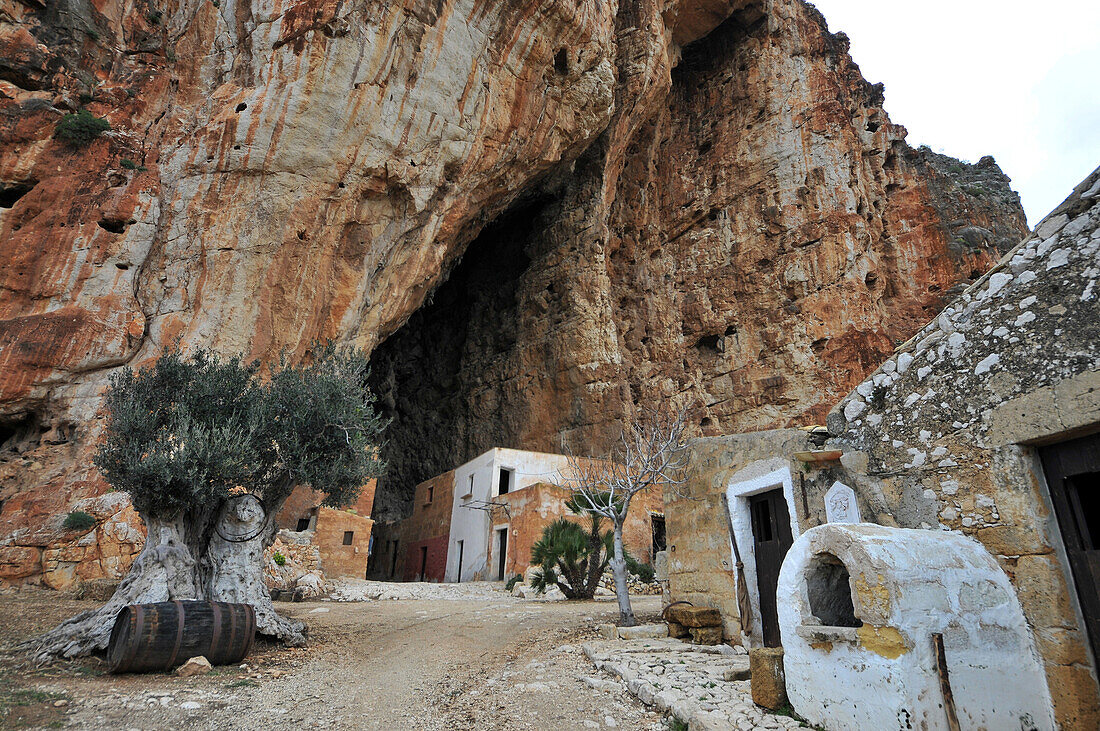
[986,423]
[342,537]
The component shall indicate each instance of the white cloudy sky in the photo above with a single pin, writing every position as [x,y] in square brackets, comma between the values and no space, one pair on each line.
[1019,81]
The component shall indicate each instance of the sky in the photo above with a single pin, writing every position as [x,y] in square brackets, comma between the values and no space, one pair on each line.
[968,78]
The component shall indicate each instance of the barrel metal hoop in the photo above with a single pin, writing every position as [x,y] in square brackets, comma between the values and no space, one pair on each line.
[179,635]
[214,646]
[137,626]
[250,621]
[232,626]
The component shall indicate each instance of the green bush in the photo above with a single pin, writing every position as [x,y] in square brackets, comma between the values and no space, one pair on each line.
[511,583]
[128,164]
[279,559]
[79,520]
[643,571]
[80,128]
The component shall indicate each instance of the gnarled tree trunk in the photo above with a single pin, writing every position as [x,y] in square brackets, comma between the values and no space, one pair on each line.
[197,555]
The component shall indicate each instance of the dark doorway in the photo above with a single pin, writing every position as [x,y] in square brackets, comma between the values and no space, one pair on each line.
[1073,475]
[393,561]
[505,481]
[771,533]
[423,562]
[502,552]
[459,580]
[303,524]
[659,540]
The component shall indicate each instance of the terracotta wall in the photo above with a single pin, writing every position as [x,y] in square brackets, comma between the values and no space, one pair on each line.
[436,554]
[428,525]
[532,508]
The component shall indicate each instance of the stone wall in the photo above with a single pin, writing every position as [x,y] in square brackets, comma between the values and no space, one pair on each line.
[337,558]
[943,436]
[700,563]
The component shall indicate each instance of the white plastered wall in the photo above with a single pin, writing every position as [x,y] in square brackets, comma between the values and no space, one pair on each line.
[476,527]
[756,478]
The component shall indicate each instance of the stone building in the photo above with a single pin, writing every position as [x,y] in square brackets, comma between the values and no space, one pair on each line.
[342,537]
[984,423]
[480,520]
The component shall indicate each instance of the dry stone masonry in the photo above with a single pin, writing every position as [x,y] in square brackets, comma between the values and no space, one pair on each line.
[938,436]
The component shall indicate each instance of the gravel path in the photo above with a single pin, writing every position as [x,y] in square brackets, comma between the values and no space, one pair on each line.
[494,662]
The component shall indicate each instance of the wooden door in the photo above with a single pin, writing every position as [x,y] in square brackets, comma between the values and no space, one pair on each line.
[503,546]
[771,533]
[1073,475]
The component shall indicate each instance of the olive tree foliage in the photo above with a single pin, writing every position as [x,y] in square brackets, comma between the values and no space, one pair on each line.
[650,453]
[187,431]
[208,449]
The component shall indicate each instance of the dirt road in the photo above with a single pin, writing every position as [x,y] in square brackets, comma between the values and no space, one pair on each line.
[491,663]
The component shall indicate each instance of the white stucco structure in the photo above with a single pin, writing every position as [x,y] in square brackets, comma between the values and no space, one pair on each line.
[478,482]
[755,479]
[895,589]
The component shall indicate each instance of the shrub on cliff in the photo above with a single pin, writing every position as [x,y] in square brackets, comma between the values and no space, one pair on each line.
[80,128]
[78,520]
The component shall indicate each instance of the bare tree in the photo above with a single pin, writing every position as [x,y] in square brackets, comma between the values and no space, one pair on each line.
[649,454]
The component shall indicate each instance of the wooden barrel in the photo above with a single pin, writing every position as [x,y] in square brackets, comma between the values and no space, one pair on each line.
[158,637]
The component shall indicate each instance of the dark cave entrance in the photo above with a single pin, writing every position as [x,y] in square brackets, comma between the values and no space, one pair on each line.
[438,376]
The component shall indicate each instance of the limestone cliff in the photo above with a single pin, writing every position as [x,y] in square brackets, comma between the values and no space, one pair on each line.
[759,241]
[562,208]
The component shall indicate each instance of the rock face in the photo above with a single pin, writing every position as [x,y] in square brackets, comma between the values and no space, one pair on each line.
[563,209]
[748,249]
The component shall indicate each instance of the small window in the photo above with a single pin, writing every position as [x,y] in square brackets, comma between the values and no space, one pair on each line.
[431,492]
[349,535]
[303,524]
[505,481]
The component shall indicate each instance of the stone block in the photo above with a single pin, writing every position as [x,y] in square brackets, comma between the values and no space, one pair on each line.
[706,635]
[1073,690]
[769,683]
[677,630]
[737,673]
[695,616]
[643,632]
[195,666]
[99,590]
[608,631]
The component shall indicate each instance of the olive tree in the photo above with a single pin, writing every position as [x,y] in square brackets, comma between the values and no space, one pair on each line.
[208,449]
[648,454]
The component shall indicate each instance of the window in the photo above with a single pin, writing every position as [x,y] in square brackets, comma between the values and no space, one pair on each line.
[469,488]
[303,524]
[505,482]
[431,492]
[349,535]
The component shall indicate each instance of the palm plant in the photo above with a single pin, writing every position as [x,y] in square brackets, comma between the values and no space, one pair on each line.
[572,556]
